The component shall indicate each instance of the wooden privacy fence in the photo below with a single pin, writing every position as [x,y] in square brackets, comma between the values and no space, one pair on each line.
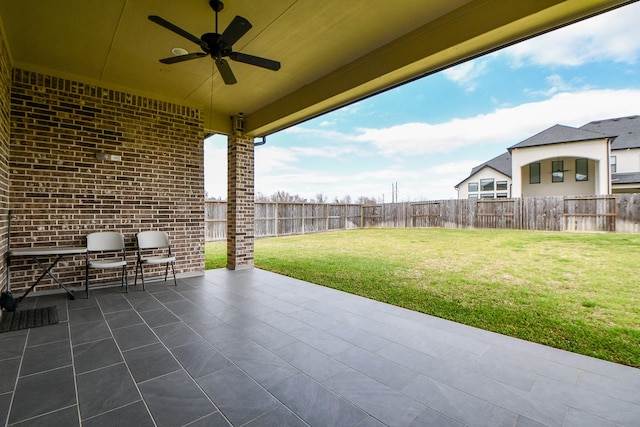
[614,213]
[282,219]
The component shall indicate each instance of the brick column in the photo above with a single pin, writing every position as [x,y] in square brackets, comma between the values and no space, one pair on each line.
[240,203]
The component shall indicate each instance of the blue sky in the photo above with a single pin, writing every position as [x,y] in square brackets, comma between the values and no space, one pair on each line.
[428,134]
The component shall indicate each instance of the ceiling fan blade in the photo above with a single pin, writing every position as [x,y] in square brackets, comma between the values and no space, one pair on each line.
[181,58]
[236,29]
[225,72]
[171,27]
[255,60]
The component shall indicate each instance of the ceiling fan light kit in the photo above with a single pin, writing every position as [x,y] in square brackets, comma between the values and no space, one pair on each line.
[218,46]
[178,51]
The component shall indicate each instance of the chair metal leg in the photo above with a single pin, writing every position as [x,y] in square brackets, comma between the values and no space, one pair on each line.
[86,277]
[142,276]
[175,283]
[135,281]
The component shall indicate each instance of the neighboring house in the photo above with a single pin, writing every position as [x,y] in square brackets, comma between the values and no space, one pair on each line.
[601,157]
[489,180]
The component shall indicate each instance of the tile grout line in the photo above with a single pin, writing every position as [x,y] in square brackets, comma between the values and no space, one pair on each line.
[73,364]
[15,385]
[112,410]
[43,414]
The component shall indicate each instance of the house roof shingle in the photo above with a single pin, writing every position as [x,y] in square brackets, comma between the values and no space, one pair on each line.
[625,178]
[501,163]
[558,134]
[625,129]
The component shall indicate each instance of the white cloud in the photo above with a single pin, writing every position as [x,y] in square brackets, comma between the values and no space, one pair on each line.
[467,73]
[313,133]
[612,36]
[215,166]
[270,158]
[432,182]
[557,84]
[331,151]
[452,168]
[429,182]
[505,126]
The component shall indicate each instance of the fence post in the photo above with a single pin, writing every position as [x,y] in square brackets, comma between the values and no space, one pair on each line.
[326,217]
[277,220]
[520,212]
[346,216]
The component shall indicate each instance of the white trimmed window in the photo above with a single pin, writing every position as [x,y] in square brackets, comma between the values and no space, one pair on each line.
[557,171]
[582,170]
[487,184]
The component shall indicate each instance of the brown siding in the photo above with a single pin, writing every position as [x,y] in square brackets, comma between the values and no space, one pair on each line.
[60,191]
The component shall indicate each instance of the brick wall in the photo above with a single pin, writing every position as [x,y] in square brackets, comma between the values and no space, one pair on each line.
[60,191]
[5,85]
[241,203]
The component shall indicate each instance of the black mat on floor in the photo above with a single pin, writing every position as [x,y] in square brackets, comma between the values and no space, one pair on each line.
[16,320]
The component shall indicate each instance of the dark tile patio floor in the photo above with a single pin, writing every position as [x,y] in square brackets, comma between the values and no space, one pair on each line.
[252,348]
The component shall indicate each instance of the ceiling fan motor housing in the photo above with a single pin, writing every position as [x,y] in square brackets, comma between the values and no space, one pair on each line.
[215,50]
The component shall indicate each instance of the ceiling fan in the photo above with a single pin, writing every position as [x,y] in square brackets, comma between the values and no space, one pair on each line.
[218,46]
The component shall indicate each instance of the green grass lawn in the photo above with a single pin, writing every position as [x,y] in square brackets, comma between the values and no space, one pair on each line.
[578,292]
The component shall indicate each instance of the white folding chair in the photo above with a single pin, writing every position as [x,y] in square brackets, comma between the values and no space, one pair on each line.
[105,249]
[154,248]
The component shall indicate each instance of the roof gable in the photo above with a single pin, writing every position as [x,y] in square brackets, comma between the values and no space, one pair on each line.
[558,134]
[501,164]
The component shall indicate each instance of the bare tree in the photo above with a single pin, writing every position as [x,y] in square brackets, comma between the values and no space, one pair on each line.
[285,197]
[364,200]
[207,197]
[259,197]
[321,198]
[345,200]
